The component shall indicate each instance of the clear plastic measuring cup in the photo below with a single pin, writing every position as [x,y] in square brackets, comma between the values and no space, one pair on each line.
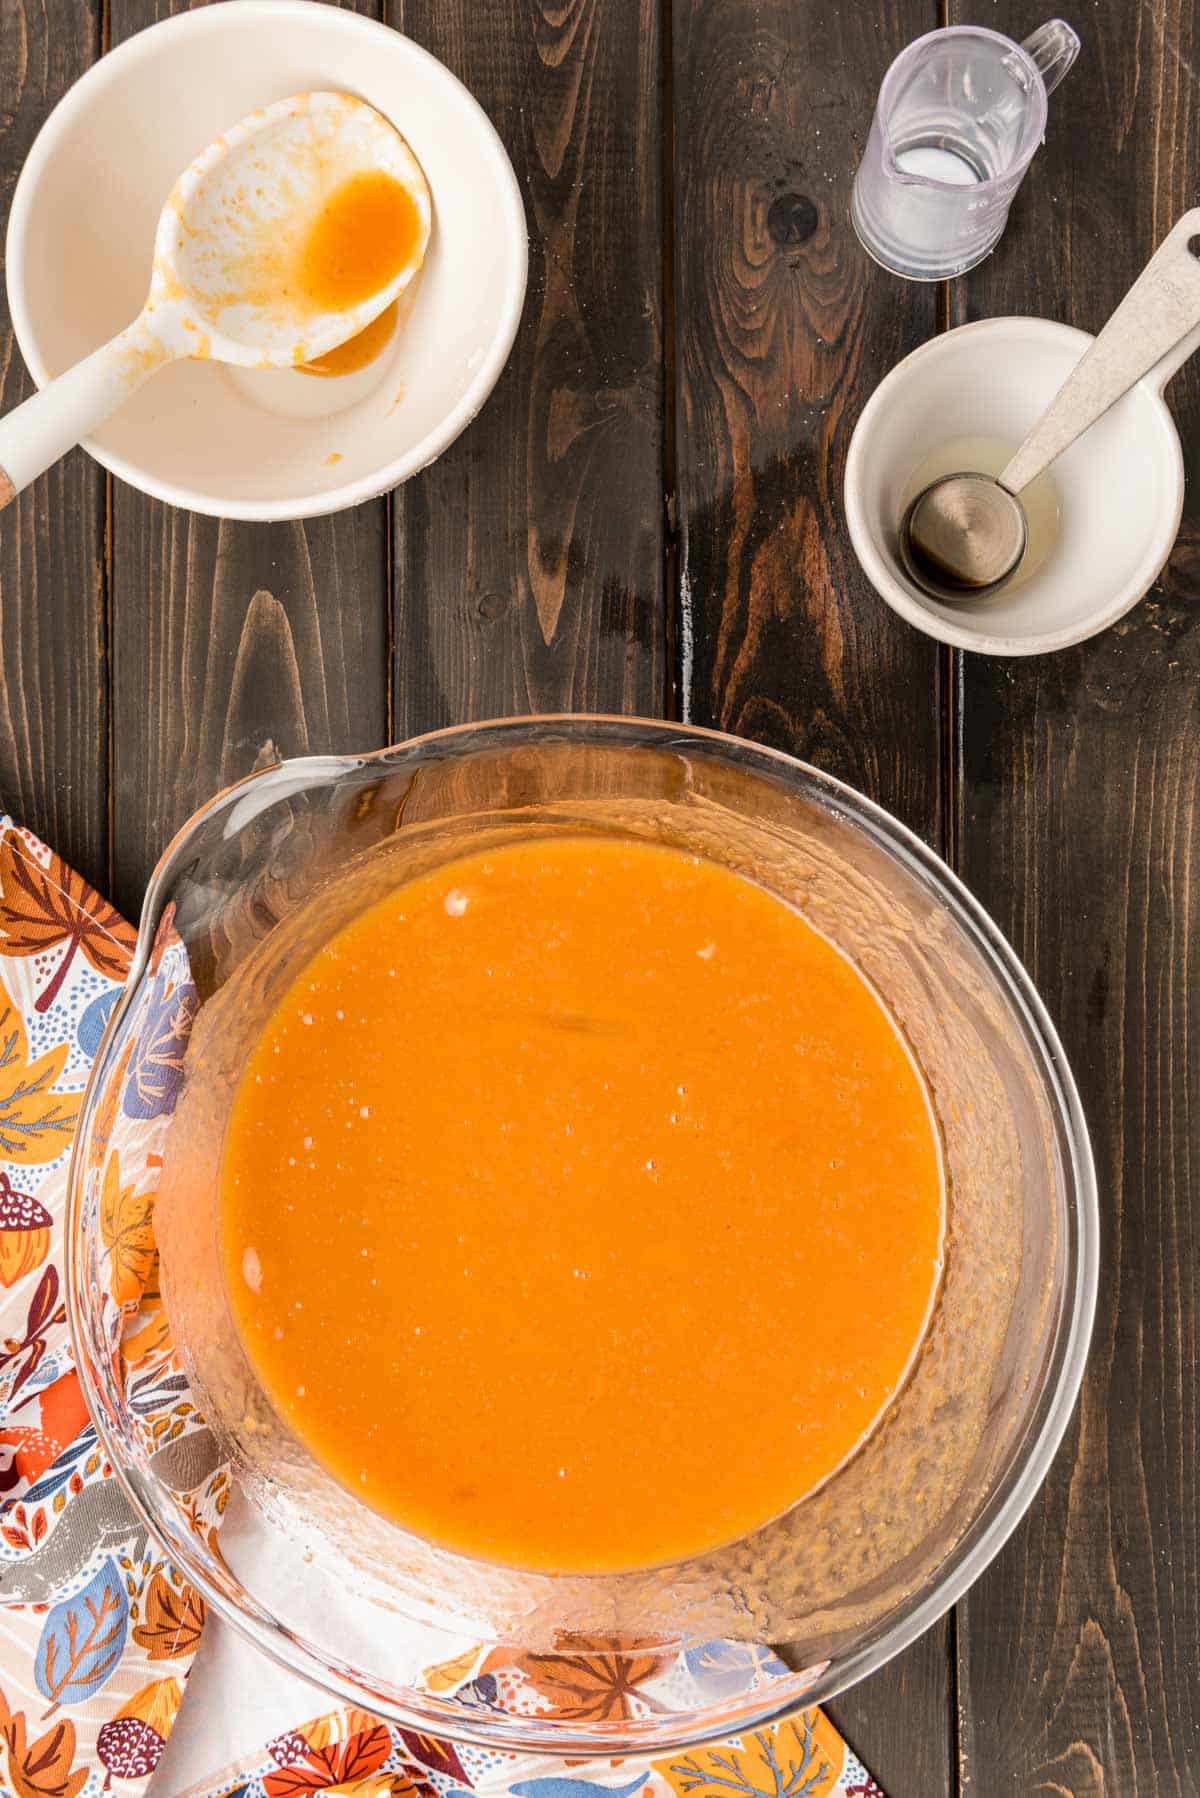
[959,116]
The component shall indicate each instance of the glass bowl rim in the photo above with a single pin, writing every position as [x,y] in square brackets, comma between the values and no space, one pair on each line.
[776,1700]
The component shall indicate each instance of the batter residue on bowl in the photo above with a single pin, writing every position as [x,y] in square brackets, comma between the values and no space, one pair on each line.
[359,350]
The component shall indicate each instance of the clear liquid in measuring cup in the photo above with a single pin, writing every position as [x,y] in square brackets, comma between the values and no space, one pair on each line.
[989,455]
[960,113]
[935,159]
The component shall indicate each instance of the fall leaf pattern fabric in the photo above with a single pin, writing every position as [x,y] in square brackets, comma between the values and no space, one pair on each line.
[97,1630]
[804,1757]
[37,1119]
[47,911]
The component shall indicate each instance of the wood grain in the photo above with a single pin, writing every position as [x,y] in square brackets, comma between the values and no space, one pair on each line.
[54,720]
[1078,807]
[901,1721]
[529,561]
[233,644]
[782,329]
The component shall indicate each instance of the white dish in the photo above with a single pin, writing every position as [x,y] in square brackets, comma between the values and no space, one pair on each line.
[264,444]
[1119,488]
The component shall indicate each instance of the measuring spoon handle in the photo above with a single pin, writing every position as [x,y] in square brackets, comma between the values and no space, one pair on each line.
[1160,309]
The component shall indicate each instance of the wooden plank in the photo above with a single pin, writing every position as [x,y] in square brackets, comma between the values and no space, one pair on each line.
[1079,1648]
[529,561]
[901,1720]
[783,328]
[54,716]
[234,644]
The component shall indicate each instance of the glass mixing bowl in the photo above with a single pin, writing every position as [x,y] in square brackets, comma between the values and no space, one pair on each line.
[573,1665]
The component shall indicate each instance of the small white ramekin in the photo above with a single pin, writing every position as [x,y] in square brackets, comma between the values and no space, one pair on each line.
[1119,488]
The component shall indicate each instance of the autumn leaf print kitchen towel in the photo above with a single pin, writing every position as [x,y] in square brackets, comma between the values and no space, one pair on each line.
[97,1629]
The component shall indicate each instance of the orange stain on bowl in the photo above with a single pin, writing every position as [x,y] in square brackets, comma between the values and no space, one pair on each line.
[360,351]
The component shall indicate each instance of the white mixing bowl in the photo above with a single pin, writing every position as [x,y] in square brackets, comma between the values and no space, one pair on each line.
[270,443]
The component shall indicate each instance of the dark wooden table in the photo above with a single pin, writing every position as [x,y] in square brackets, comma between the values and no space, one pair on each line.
[647,518]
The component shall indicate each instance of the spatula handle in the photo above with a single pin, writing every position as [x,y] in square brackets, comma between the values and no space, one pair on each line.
[49,423]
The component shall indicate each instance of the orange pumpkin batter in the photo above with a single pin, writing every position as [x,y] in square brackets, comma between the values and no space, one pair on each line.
[581,1206]
[358,351]
[366,232]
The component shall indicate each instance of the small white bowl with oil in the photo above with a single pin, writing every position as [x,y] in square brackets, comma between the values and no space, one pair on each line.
[1102,520]
[265,443]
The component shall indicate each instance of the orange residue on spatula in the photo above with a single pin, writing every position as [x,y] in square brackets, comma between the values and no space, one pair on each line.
[365,233]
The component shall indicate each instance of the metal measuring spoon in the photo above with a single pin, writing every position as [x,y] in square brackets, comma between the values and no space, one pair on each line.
[221,288]
[964,535]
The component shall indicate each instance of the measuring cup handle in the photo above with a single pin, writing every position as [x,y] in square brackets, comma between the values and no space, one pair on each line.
[1053,47]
